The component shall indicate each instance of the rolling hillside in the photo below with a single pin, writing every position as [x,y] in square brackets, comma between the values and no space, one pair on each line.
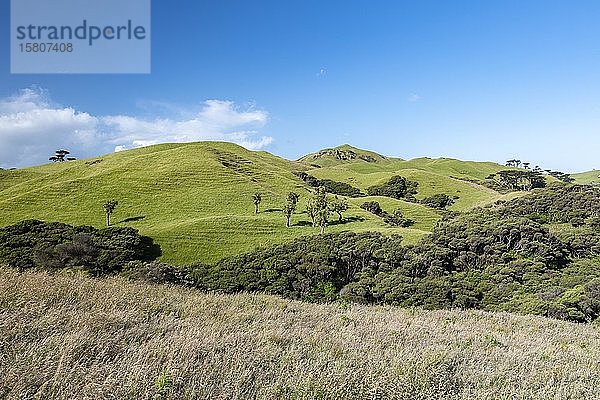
[442,175]
[195,199]
[587,178]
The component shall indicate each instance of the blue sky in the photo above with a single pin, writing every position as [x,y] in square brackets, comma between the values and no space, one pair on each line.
[465,79]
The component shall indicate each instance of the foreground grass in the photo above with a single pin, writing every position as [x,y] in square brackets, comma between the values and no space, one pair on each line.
[69,337]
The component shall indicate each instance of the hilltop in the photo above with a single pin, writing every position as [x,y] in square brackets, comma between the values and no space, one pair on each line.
[195,199]
[110,338]
[342,154]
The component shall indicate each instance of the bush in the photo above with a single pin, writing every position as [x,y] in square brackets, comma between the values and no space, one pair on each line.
[396,187]
[54,245]
[439,201]
[397,219]
[372,207]
[157,272]
[330,186]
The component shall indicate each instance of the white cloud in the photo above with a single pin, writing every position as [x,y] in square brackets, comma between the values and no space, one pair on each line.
[32,127]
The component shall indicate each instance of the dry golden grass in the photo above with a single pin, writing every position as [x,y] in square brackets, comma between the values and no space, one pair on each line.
[71,337]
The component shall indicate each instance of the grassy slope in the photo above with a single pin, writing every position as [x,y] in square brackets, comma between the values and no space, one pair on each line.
[588,177]
[442,175]
[81,338]
[198,209]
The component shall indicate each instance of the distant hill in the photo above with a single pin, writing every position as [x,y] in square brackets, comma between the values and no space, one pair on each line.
[343,154]
[589,177]
[195,199]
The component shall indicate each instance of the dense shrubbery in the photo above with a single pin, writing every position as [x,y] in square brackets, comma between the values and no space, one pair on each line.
[309,268]
[559,203]
[473,261]
[37,244]
[439,201]
[397,219]
[397,187]
[157,272]
[330,186]
[373,207]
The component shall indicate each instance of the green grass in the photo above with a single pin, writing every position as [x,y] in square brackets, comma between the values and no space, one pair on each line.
[433,175]
[589,177]
[72,337]
[195,199]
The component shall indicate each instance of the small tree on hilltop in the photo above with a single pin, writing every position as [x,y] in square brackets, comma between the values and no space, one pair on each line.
[257,198]
[61,156]
[339,206]
[109,208]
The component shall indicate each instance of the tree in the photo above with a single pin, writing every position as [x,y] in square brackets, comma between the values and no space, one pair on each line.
[318,209]
[61,156]
[521,180]
[257,198]
[339,206]
[311,211]
[288,210]
[293,198]
[109,208]
[323,218]
[562,176]
[290,207]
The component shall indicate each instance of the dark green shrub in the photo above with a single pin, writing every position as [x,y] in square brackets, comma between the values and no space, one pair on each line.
[397,187]
[54,245]
[439,201]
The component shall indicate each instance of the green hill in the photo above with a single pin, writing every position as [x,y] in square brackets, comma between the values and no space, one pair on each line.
[587,178]
[195,199]
[343,154]
[443,175]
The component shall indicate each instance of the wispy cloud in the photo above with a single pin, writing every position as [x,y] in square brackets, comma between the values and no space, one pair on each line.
[32,127]
[413,98]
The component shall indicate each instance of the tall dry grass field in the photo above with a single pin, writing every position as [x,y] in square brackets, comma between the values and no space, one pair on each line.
[71,337]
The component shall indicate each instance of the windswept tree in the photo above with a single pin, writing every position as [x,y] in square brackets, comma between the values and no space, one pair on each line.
[256,198]
[339,206]
[561,176]
[521,180]
[109,208]
[61,156]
